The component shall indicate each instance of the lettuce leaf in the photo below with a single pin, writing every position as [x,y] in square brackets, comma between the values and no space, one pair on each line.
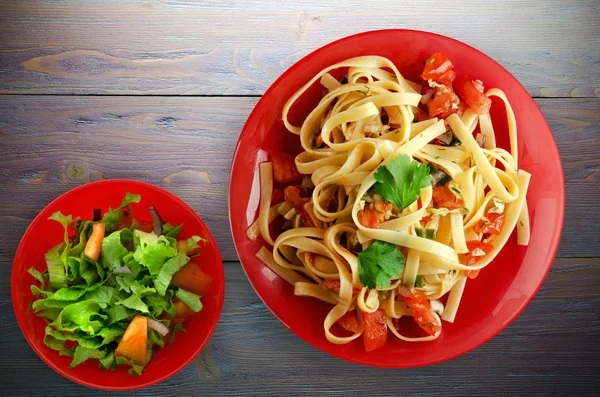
[56,268]
[82,354]
[191,243]
[78,316]
[135,369]
[152,251]
[112,216]
[171,266]
[190,299]
[171,230]
[113,250]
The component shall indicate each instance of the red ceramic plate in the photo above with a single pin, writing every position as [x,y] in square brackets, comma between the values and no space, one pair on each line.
[500,292]
[43,235]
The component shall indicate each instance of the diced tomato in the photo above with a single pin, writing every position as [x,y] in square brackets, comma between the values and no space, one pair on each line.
[369,217]
[191,278]
[276,197]
[468,91]
[426,219]
[473,245]
[349,321]
[133,344]
[375,333]
[472,273]
[292,196]
[183,312]
[443,103]
[145,226]
[492,224]
[421,312]
[335,286]
[422,115]
[443,197]
[437,68]
[462,108]
[284,167]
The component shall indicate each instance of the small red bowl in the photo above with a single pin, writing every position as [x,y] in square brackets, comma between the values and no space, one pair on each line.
[501,291]
[43,234]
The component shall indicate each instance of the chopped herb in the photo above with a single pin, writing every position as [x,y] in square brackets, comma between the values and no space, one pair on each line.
[521,223]
[380,263]
[420,282]
[366,92]
[427,233]
[455,142]
[466,210]
[344,80]
[400,182]
[431,60]
[437,157]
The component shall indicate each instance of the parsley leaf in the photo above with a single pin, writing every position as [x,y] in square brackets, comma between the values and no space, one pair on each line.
[379,263]
[400,182]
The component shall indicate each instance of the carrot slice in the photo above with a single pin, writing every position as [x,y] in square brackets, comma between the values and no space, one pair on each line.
[94,243]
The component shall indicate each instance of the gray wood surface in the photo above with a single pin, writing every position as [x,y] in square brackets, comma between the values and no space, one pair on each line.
[116,89]
[239,47]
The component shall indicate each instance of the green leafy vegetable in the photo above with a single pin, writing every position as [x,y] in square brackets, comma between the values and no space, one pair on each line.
[163,279]
[171,231]
[190,299]
[400,182]
[379,263]
[177,328]
[115,215]
[56,267]
[151,250]
[113,250]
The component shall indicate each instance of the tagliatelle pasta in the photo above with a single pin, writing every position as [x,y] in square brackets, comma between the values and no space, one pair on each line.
[354,236]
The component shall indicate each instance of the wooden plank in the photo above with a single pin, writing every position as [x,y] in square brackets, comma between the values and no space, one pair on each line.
[185,144]
[240,47]
[550,349]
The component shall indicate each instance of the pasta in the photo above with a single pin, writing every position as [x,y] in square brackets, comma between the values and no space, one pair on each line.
[352,237]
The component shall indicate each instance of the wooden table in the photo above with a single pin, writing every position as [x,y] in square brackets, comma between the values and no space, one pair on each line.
[159,91]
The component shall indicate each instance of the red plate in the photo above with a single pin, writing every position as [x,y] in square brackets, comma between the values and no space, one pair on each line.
[500,292]
[43,234]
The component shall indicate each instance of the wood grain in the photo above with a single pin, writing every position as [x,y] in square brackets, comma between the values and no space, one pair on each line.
[240,47]
[48,145]
[550,349]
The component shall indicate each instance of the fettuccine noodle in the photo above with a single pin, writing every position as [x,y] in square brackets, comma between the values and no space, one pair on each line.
[361,125]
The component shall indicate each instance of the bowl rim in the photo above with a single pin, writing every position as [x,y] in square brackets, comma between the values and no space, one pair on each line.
[553,246]
[68,374]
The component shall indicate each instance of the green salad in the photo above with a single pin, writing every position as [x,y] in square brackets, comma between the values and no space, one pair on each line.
[108,293]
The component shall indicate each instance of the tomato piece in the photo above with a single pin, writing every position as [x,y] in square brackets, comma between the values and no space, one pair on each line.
[473,245]
[182,312]
[349,321]
[421,312]
[191,278]
[443,197]
[291,195]
[368,217]
[133,344]
[145,226]
[492,224]
[426,219]
[335,286]
[446,78]
[462,108]
[437,67]
[284,167]
[276,197]
[375,333]
[422,115]
[468,91]
[472,273]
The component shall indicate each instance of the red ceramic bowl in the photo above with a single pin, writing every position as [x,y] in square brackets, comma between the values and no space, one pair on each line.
[500,292]
[43,235]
